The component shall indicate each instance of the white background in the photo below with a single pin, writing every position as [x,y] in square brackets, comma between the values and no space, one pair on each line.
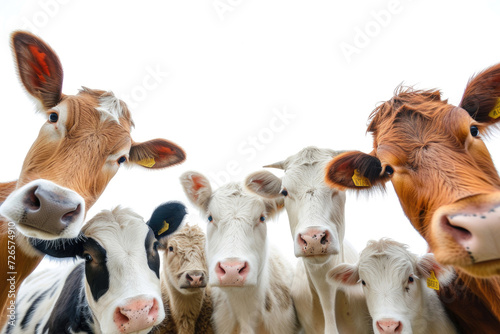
[224,68]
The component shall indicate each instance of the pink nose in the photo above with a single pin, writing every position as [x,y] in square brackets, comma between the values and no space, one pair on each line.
[314,241]
[232,272]
[138,314]
[389,326]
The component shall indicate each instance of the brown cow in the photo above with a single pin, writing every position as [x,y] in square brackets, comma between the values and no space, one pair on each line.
[79,149]
[186,296]
[446,182]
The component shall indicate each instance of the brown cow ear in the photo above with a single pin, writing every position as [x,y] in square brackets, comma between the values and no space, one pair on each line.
[156,153]
[355,170]
[481,98]
[39,68]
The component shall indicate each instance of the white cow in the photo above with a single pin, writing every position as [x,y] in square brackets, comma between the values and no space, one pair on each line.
[316,215]
[250,281]
[395,284]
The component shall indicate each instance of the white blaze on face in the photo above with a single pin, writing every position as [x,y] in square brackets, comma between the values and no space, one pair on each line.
[236,234]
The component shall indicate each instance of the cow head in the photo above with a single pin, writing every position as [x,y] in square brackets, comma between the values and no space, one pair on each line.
[80,147]
[394,282]
[315,211]
[122,264]
[237,247]
[185,265]
[434,154]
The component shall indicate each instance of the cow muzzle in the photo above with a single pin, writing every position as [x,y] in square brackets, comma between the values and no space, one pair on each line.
[315,241]
[45,210]
[193,279]
[467,232]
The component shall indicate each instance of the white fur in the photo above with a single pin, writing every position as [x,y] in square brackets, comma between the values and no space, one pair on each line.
[236,232]
[311,203]
[110,107]
[385,267]
[122,233]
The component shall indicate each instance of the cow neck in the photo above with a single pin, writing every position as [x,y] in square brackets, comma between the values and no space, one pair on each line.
[180,304]
[472,303]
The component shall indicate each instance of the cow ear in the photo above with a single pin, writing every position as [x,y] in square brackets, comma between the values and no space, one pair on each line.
[427,263]
[156,153]
[344,274]
[481,97]
[166,219]
[355,170]
[39,68]
[60,248]
[197,189]
[265,184]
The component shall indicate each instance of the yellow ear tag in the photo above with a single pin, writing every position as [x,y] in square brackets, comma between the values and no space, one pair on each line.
[164,228]
[495,113]
[148,162]
[432,282]
[359,180]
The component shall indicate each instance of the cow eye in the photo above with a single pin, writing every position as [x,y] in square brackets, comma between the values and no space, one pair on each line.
[411,279]
[389,170]
[474,131]
[262,218]
[170,249]
[121,160]
[87,257]
[53,117]
[284,192]
[210,219]
[363,282]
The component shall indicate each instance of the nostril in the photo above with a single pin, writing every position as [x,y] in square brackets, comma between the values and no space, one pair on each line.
[324,239]
[120,317]
[70,216]
[219,270]
[457,232]
[242,269]
[31,200]
[302,240]
[189,278]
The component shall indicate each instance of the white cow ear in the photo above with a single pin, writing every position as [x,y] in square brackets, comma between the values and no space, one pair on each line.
[427,262]
[345,274]
[197,189]
[265,184]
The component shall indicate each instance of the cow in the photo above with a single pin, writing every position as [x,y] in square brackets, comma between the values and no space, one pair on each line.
[398,286]
[80,147]
[114,287]
[316,216]
[186,296]
[434,155]
[250,280]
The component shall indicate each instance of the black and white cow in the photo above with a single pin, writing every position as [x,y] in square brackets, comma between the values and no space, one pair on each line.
[115,288]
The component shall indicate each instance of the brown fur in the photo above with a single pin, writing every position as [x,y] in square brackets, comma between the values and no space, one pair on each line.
[437,163]
[78,159]
[186,313]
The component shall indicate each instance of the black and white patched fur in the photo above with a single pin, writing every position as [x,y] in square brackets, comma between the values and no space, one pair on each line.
[113,287]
